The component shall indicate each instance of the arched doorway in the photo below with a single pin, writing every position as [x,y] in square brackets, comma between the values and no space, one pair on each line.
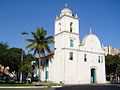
[93,75]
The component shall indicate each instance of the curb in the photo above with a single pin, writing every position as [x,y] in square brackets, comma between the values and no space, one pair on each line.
[24,87]
[56,86]
[31,87]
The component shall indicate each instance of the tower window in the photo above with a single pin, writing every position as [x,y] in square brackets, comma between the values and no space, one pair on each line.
[60,26]
[98,59]
[85,57]
[71,43]
[71,56]
[71,26]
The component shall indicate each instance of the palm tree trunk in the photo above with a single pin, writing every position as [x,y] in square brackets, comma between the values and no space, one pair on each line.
[39,58]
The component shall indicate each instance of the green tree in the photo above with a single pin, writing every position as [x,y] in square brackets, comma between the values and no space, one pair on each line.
[14,55]
[3,53]
[27,63]
[40,43]
[113,65]
[11,57]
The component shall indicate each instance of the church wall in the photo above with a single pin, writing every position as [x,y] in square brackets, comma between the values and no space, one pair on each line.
[70,69]
[56,67]
[101,72]
[84,72]
[83,69]
[55,73]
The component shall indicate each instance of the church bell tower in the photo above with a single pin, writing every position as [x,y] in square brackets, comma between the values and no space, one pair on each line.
[66,29]
[66,42]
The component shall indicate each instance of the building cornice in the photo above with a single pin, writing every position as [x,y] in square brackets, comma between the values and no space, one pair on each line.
[66,32]
[66,16]
[93,52]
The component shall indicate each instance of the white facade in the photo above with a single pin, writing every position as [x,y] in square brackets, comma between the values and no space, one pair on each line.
[75,62]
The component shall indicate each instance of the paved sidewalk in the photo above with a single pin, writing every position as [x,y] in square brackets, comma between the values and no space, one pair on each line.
[69,87]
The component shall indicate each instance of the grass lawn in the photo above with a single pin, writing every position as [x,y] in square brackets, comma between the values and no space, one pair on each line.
[48,84]
[15,85]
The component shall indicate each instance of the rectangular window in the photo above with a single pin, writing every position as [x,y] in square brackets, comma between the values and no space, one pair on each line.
[98,59]
[85,57]
[71,43]
[71,56]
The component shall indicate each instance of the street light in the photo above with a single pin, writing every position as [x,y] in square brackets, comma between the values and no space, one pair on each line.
[23,33]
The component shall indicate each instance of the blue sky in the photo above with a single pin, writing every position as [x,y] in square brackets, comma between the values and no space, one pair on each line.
[103,16]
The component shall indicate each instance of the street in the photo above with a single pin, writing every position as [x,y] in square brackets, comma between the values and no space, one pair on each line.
[71,87]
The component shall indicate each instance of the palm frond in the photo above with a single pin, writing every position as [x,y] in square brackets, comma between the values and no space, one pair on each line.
[28,46]
[41,32]
[50,40]
[31,46]
[34,36]
[30,40]
[47,48]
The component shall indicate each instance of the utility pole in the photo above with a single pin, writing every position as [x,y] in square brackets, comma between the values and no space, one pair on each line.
[23,33]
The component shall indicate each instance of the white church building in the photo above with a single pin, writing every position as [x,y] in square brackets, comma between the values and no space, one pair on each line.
[75,61]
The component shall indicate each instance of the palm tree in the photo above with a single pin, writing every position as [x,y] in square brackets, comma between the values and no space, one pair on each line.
[39,44]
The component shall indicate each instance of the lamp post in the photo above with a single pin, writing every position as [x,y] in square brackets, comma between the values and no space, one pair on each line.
[23,33]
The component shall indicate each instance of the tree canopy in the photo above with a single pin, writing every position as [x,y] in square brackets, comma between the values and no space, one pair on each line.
[113,65]
[11,57]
